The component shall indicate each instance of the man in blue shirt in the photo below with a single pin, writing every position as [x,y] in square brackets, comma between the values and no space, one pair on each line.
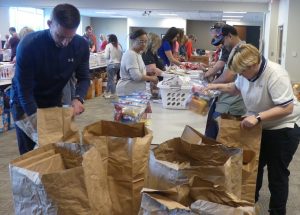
[46,61]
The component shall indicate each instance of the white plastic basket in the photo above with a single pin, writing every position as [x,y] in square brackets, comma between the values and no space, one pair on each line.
[7,71]
[174,97]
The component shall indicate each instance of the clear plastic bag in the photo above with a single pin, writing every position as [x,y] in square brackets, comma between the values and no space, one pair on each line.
[29,126]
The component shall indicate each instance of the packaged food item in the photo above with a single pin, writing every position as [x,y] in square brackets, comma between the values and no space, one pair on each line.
[296,89]
[133,108]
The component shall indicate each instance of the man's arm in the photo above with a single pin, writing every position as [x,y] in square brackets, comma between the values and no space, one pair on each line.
[226,77]
[24,78]
[215,69]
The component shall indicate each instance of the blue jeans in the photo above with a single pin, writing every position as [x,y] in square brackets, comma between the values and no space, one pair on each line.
[112,70]
[212,127]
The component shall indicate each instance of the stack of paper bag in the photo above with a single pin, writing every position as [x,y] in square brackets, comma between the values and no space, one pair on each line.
[125,151]
[60,178]
[232,134]
[178,160]
[194,174]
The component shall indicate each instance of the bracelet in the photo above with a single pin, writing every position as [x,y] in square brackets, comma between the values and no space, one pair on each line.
[257,116]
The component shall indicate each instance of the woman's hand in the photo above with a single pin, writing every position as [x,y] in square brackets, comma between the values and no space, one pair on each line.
[249,122]
[154,79]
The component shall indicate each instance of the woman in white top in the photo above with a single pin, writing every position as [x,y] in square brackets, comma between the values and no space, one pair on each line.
[113,55]
[133,71]
[267,92]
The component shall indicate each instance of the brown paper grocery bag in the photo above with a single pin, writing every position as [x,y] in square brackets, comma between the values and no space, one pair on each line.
[125,152]
[193,136]
[210,208]
[176,162]
[164,202]
[56,125]
[201,189]
[197,197]
[69,180]
[231,134]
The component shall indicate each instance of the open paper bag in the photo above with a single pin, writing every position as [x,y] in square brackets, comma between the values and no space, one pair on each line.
[173,201]
[62,178]
[164,202]
[176,161]
[231,134]
[56,125]
[125,151]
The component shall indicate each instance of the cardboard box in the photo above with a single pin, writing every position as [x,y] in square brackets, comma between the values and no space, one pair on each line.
[91,91]
[201,59]
[98,86]
[296,89]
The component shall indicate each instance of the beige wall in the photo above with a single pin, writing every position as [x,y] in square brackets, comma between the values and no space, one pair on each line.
[292,52]
[201,30]
[4,19]
[107,26]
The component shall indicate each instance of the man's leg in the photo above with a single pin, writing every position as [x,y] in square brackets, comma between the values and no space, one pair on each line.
[24,142]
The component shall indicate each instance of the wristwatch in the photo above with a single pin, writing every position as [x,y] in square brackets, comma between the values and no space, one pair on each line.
[79,99]
[257,116]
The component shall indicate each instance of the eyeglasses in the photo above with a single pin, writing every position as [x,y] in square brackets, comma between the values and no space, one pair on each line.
[141,42]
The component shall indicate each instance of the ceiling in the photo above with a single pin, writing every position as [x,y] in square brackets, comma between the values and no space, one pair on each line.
[185,9]
[253,17]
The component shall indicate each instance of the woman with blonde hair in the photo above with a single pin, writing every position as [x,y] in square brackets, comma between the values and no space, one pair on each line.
[268,95]
[150,58]
[24,31]
[154,66]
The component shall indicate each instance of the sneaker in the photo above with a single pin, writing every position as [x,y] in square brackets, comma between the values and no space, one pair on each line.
[113,95]
[106,95]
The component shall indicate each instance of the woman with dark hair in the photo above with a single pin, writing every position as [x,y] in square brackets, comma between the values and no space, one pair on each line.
[133,70]
[113,55]
[166,48]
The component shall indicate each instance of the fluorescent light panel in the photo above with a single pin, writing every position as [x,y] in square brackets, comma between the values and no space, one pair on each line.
[232,16]
[167,14]
[118,16]
[231,19]
[238,12]
[105,12]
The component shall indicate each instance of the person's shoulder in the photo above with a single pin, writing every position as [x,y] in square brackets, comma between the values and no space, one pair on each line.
[79,42]
[275,68]
[79,39]
[129,54]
